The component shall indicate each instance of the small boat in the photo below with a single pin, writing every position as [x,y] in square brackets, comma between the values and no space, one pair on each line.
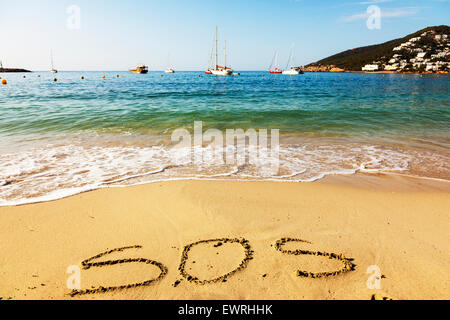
[290,69]
[169,69]
[53,70]
[274,64]
[219,70]
[293,70]
[140,69]
[276,70]
[208,71]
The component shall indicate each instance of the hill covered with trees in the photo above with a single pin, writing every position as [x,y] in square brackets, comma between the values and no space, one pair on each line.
[426,40]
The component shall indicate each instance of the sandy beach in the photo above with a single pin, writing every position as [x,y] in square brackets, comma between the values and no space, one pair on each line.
[398,224]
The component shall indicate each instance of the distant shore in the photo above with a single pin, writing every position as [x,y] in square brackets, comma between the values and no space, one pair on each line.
[383,72]
[10,70]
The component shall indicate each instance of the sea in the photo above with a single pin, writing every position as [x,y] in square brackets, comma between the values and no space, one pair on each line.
[115,129]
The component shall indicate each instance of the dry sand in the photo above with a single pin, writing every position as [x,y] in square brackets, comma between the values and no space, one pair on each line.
[399,224]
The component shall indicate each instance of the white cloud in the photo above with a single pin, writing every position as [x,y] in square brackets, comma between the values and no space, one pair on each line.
[374,1]
[385,13]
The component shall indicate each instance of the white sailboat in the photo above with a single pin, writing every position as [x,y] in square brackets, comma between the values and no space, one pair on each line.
[290,69]
[219,70]
[169,68]
[53,70]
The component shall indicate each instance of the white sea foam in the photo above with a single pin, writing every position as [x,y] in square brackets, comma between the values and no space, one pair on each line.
[57,170]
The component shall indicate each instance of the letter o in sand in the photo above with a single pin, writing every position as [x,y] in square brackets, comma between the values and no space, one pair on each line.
[185,257]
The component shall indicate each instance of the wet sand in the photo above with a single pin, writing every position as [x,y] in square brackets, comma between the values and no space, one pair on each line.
[233,240]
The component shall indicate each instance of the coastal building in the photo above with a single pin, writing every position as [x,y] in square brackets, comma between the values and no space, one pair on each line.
[336,69]
[421,55]
[390,68]
[370,67]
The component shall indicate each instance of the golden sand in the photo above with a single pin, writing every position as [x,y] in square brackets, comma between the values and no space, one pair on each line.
[234,240]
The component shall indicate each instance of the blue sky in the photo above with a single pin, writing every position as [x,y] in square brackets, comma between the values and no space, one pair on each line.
[116,35]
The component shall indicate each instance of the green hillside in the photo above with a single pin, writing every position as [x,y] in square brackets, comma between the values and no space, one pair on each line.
[355,59]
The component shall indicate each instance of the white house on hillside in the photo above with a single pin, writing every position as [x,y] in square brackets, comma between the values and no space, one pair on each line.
[370,67]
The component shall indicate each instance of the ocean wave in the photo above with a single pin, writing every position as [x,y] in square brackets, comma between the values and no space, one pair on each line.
[56,170]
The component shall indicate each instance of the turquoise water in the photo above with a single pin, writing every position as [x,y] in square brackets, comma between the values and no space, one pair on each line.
[321,104]
[71,135]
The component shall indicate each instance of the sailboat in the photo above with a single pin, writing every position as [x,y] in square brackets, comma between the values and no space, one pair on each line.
[290,69]
[169,68]
[53,68]
[219,70]
[274,64]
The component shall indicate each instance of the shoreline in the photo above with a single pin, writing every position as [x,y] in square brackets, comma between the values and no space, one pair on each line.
[14,70]
[380,72]
[397,223]
[366,156]
[333,176]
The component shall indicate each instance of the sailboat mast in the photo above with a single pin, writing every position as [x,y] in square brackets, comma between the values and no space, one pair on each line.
[217,46]
[225,53]
[274,61]
[291,57]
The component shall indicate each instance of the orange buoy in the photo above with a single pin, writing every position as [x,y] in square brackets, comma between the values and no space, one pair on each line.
[4,81]
[38,75]
[104,77]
